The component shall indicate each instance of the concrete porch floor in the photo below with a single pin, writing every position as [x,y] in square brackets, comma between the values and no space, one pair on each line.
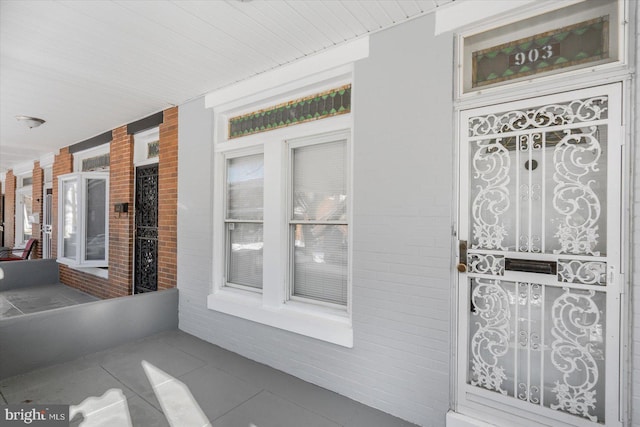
[19,301]
[232,391]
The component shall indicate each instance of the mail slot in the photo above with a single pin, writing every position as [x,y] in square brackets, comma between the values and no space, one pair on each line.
[531,266]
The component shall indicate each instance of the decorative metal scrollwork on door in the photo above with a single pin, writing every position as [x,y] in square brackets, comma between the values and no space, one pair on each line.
[537,194]
[146,243]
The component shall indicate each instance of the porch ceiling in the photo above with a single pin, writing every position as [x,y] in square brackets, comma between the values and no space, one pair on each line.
[87,67]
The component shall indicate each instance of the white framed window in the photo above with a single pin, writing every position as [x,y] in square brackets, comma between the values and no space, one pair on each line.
[24,216]
[243,222]
[293,115]
[146,148]
[24,229]
[83,224]
[318,220]
[281,217]
[96,159]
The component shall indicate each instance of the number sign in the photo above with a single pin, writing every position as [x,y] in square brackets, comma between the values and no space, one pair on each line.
[564,47]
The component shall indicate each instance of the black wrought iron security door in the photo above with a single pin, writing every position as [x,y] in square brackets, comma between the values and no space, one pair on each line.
[146,236]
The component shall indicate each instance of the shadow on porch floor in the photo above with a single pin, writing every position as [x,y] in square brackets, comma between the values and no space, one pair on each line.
[188,373]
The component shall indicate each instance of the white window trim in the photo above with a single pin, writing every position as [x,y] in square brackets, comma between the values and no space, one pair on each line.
[77,167]
[471,17]
[273,307]
[88,266]
[89,153]
[20,241]
[141,140]
[232,154]
[25,168]
[292,144]
[291,75]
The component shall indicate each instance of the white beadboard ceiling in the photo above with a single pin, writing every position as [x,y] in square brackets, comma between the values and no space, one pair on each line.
[87,67]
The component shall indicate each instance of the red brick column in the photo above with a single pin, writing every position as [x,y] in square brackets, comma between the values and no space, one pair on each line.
[10,210]
[37,207]
[168,200]
[120,224]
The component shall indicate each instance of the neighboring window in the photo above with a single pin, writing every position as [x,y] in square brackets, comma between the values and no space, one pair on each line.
[318,222]
[96,159]
[146,146]
[243,221]
[96,163]
[83,219]
[24,212]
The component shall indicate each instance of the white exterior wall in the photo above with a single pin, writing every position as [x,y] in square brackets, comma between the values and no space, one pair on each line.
[403,159]
[635,227]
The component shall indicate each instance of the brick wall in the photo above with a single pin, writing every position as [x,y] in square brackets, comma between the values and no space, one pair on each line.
[86,282]
[38,179]
[10,210]
[120,224]
[168,200]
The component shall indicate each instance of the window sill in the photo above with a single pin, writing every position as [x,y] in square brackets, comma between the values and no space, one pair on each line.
[300,318]
[94,271]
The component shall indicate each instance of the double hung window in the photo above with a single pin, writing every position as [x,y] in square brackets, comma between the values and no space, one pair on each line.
[244,221]
[281,230]
[318,222]
[307,219]
[282,197]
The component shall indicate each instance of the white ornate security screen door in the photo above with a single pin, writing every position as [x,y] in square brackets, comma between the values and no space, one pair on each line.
[539,299]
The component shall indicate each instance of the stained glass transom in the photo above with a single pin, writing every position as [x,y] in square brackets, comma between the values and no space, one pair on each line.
[580,43]
[153,149]
[318,106]
[96,163]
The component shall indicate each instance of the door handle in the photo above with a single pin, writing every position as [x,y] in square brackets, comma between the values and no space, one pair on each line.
[462,256]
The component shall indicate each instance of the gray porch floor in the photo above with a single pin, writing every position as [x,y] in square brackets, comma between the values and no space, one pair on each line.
[15,302]
[188,373]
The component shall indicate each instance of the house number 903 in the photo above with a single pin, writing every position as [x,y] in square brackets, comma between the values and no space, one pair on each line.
[532,55]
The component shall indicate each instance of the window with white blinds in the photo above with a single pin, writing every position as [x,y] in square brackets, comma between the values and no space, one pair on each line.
[318,222]
[243,221]
[281,231]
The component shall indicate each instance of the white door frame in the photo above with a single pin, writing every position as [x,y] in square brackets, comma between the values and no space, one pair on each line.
[47,221]
[475,402]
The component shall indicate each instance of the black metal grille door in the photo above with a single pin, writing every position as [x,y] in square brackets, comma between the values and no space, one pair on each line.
[146,253]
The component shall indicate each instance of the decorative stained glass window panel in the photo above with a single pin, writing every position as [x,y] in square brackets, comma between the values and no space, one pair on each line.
[318,106]
[153,149]
[96,163]
[582,35]
[576,44]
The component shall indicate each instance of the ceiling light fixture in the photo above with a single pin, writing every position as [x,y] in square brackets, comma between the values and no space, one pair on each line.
[30,122]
